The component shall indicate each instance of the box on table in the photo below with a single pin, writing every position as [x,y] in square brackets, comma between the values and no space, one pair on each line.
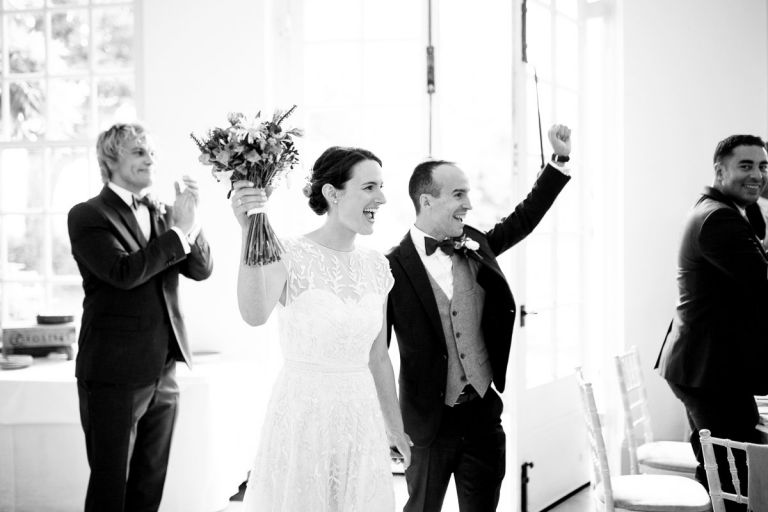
[40,340]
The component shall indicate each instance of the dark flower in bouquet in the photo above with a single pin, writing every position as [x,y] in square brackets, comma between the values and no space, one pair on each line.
[260,151]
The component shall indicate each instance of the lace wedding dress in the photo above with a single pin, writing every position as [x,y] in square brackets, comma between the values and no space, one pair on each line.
[323,446]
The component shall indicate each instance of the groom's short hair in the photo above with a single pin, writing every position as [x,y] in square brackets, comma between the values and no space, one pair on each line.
[421,181]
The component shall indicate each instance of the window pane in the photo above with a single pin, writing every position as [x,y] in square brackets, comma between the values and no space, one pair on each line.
[539,347]
[69,178]
[22,179]
[27,110]
[393,19]
[64,3]
[322,21]
[113,37]
[69,109]
[568,351]
[26,49]
[392,71]
[61,251]
[567,49]
[332,74]
[69,41]
[27,301]
[539,35]
[24,235]
[66,299]
[569,7]
[22,4]
[115,102]
[540,285]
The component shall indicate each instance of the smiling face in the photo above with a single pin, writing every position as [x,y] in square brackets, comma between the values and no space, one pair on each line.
[442,216]
[133,169]
[359,200]
[742,176]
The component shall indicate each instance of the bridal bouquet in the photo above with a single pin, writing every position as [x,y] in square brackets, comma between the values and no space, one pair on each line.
[260,152]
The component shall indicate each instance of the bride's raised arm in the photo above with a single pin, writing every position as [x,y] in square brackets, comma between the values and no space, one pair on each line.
[258,287]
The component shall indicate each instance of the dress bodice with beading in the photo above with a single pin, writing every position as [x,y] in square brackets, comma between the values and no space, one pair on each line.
[323,445]
[333,303]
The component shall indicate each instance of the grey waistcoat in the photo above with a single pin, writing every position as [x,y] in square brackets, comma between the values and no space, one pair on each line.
[467,356]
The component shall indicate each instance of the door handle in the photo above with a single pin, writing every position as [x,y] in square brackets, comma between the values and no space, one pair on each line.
[523,313]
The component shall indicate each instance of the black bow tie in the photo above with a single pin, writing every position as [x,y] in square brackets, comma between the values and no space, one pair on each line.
[146,201]
[431,245]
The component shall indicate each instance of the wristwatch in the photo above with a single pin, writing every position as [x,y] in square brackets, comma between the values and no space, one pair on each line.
[560,159]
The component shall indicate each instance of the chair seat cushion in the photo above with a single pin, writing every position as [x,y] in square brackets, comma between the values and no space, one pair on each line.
[656,493]
[674,456]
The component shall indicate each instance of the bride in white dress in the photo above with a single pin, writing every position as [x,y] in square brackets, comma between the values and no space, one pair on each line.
[333,413]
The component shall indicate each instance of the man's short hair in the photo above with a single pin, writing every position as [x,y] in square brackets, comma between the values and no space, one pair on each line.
[421,181]
[111,143]
[726,146]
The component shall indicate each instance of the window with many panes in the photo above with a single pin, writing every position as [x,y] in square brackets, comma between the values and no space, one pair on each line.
[67,71]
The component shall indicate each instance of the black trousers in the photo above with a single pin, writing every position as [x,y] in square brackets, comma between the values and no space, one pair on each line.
[471,446]
[128,433]
[729,414]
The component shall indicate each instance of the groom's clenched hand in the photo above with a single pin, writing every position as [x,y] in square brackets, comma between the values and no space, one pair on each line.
[560,137]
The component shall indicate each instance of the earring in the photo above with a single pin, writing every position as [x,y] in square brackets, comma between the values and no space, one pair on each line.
[335,201]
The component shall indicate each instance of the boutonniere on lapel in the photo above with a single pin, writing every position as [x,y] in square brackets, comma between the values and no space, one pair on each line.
[467,246]
[156,205]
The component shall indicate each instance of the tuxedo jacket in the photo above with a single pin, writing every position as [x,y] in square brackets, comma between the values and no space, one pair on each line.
[718,338]
[412,310]
[131,317]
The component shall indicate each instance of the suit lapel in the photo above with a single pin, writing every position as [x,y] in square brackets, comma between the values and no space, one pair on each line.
[417,274]
[126,216]
[484,255]
[754,215]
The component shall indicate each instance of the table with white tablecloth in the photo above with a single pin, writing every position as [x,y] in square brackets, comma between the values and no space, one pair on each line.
[43,465]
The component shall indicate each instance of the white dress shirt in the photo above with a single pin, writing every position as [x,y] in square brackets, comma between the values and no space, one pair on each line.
[438,264]
[141,212]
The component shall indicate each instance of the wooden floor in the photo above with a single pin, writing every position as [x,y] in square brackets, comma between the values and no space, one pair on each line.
[580,502]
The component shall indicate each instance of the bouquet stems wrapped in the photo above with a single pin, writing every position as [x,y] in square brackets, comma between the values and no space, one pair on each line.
[260,152]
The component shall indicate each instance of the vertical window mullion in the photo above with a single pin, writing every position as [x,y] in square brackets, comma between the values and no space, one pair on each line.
[93,83]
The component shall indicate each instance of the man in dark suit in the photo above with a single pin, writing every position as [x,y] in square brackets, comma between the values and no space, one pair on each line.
[715,355]
[453,313]
[130,251]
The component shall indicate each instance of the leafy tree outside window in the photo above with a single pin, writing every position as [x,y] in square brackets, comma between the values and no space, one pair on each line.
[67,71]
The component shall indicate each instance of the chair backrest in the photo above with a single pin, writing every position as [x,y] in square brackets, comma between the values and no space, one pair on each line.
[634,401]
[597,450]
[713,477]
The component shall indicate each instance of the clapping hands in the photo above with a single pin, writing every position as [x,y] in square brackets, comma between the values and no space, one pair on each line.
[185,204]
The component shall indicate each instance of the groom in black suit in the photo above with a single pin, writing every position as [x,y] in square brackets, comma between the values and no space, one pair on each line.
[453,314]
[130,251]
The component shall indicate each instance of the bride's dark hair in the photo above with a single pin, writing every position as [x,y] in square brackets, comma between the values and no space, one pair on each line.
[334,166]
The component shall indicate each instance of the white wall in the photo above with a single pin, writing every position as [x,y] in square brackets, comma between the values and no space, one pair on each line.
[201,60]
[695,71]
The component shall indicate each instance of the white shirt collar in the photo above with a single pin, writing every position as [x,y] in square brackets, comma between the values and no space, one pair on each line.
[126,195]
[742,211]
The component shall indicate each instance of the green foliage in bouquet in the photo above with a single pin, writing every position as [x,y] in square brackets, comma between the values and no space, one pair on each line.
[260,152]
